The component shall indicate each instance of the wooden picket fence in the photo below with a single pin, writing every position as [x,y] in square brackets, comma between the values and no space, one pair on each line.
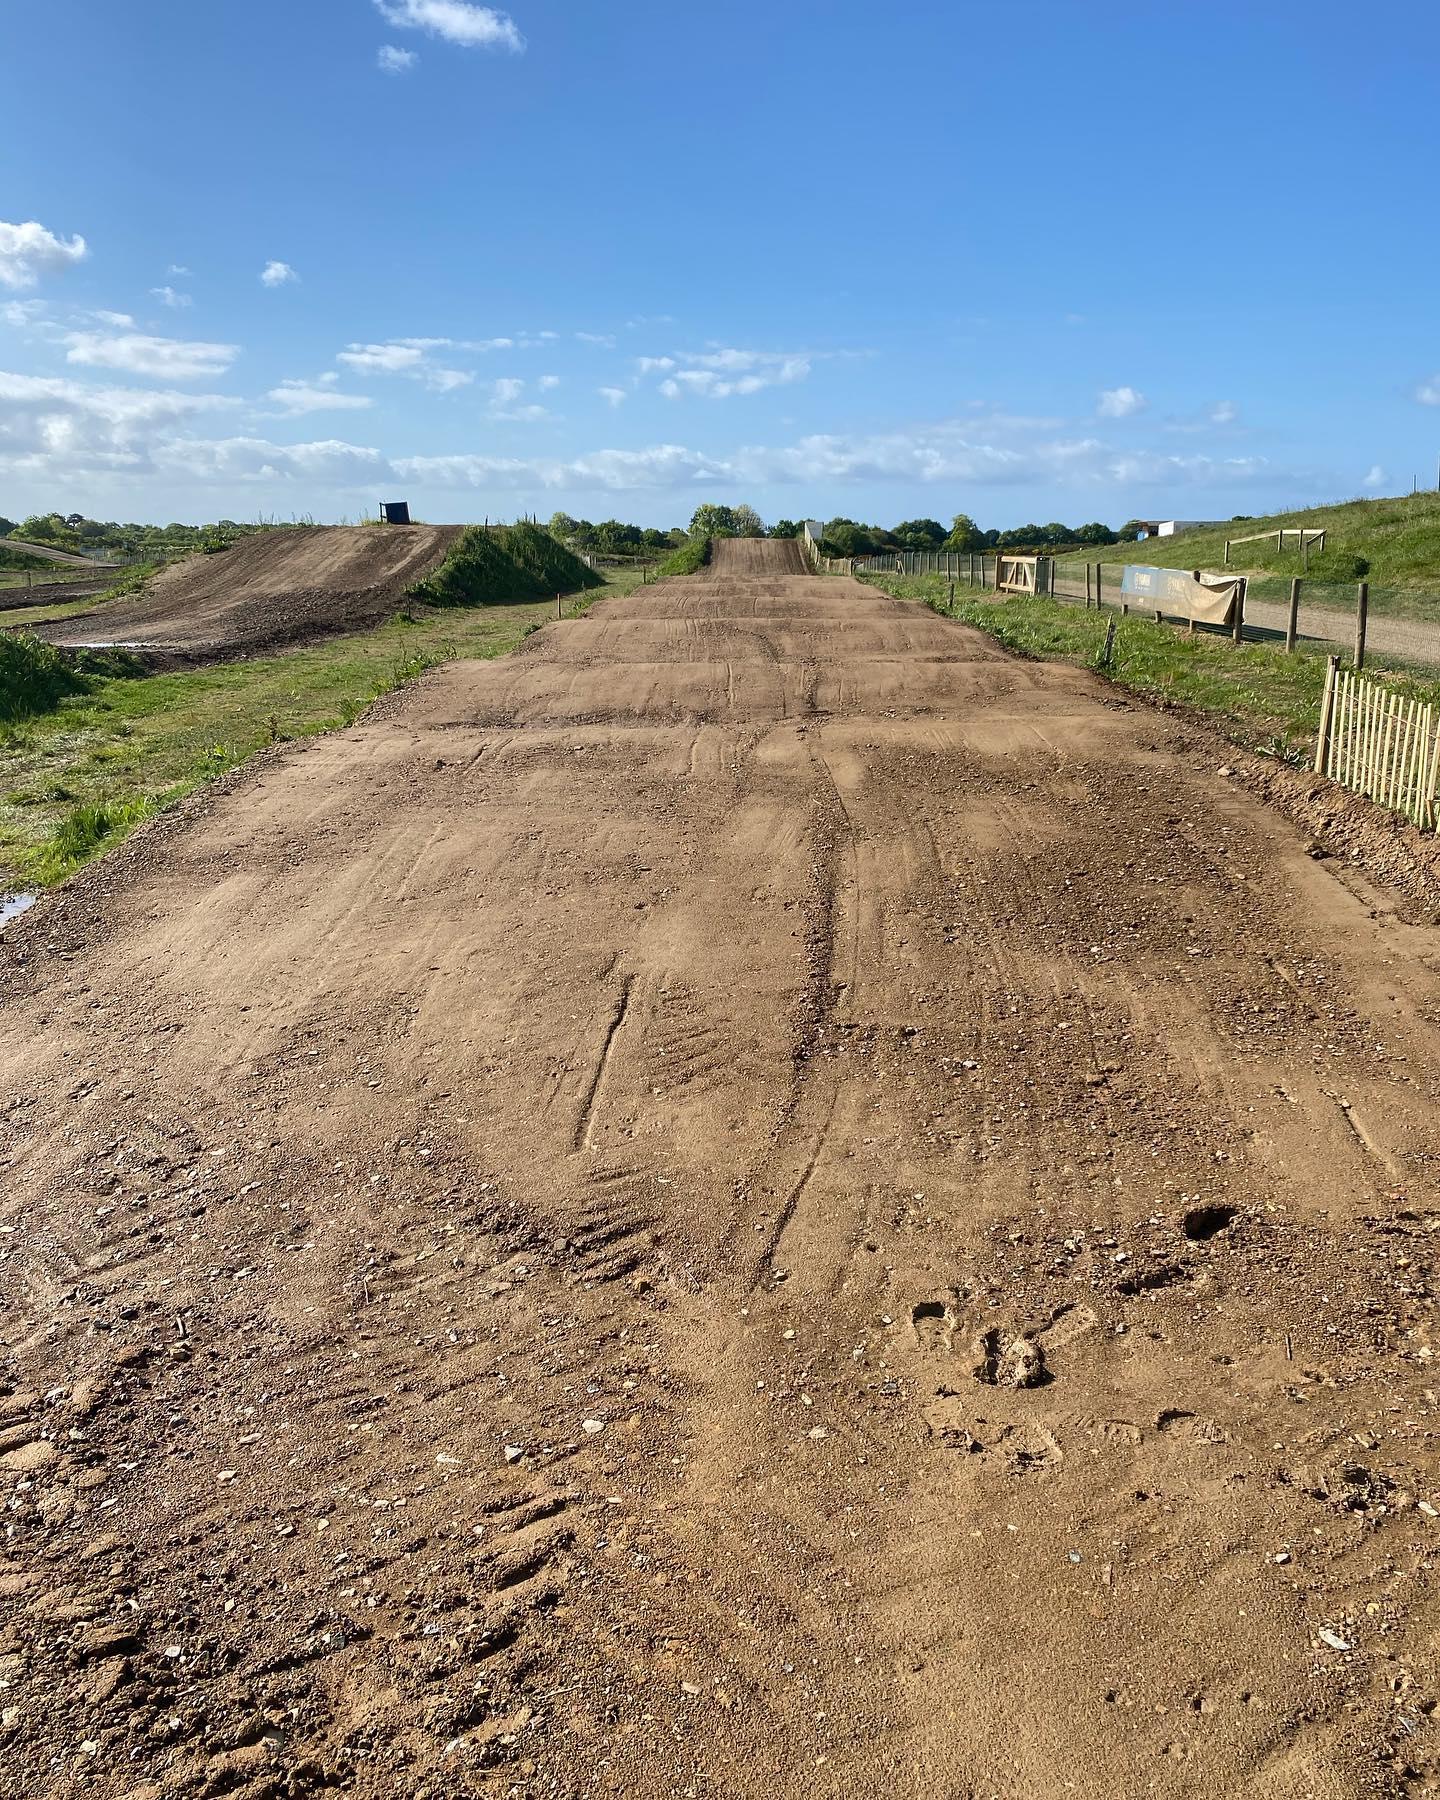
[1378,743]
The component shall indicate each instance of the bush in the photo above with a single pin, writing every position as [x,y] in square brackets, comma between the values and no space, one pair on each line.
[34,676]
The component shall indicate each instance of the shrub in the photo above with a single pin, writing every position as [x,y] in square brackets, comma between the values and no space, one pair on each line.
[34,676]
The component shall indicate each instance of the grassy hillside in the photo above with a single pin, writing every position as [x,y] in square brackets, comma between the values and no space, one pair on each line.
[1397,540]
[493,563]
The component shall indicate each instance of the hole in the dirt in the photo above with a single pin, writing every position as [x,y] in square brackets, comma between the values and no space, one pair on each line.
[931,1310]
[1205,1222]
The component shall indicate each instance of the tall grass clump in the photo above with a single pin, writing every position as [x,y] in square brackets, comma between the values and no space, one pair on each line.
[34,677]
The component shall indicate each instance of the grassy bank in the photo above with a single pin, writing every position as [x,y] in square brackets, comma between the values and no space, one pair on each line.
[492,563]
[80,777]
[1394,545]
[693,554]
[1257,695]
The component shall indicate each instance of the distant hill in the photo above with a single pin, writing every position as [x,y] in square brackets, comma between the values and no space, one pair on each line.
[1398,541]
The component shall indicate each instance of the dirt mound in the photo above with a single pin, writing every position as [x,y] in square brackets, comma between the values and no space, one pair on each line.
[758,1198]
[275,588]
[755,556]
[53,593]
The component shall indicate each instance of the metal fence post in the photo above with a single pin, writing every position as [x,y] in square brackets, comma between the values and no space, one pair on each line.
[1362,615]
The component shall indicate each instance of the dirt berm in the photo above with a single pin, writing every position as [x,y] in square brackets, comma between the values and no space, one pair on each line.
[267,590]
[756,1199]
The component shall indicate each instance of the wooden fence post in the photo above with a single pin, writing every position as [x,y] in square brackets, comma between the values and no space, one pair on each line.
[1227,553]
[1292,624]
[1327,713]
[1240,609]
[1087,587]
[1099,587]
[1362,618]
[952,596]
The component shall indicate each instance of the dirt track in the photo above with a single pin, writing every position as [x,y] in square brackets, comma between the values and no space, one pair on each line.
[755,1199]
[275,588]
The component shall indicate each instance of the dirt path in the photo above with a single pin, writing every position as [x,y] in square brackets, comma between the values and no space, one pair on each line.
[275,588]
[1415,640]
[756,1199]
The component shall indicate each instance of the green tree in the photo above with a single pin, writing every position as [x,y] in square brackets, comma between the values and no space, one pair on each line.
[748,522]
[6,527]
[562,526]
[843,537]
[1095,534]
[920,534]
[965,534]
[713,521]
[784,528]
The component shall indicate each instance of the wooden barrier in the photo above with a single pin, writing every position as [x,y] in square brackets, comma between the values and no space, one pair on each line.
[1379,744]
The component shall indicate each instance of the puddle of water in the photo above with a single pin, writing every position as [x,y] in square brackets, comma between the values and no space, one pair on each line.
[12,905]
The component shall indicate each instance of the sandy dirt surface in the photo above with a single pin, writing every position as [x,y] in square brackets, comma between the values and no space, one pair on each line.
[274,588]
[755,1199]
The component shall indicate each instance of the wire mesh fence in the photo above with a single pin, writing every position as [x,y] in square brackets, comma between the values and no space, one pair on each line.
[1401,623]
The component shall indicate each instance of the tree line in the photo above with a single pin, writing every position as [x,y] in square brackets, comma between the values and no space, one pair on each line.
[840,536]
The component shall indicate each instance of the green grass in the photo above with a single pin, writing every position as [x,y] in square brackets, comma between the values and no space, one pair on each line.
[491,563]
[34,677]
[77,779]
[693,554]
[1392,544]
[1260,697]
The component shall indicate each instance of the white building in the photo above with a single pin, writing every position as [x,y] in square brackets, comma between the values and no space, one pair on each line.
[1175,527]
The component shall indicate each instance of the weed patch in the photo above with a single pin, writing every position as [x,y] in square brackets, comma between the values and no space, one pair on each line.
[34,676]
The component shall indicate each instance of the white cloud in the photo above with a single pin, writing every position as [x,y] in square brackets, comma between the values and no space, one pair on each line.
[707,379]
[394,61]
[168,297]
[53,427]
[603,339]
[169,359]
[321,395]
[21,313]
[121,321]
[506,403]
[177,269]
[616,396]
[1428,392]
[547,382]
[457,21]
[1376,478]
[411,356]
[277,274]
[720,372]
[331,463]
[383,359]
[1224,412]
[1120,403]
[29,251]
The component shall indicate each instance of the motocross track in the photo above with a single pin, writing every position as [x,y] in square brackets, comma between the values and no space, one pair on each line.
[268,590]
[756,1199]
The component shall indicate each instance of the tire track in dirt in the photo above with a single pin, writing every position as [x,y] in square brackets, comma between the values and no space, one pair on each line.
[742,1201]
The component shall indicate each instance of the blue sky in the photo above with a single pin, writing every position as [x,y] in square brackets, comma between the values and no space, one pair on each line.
[1027,261]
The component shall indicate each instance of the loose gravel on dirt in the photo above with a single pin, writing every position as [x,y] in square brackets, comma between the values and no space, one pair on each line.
[757,1198]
